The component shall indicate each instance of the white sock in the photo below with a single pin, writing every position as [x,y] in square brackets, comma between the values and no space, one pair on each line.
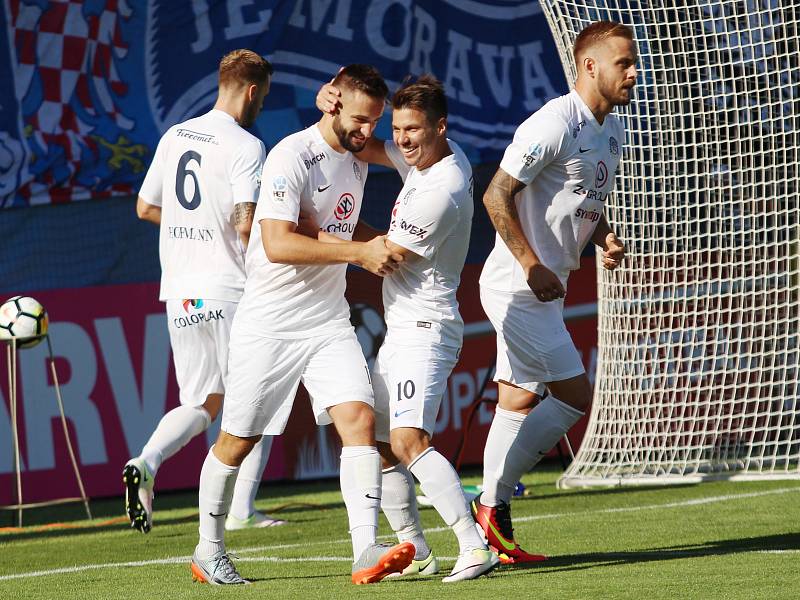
[502,433]
[216,488]
[540,431]
[174,431]
[440,483]
[360,480]
[399,504]
[244,493]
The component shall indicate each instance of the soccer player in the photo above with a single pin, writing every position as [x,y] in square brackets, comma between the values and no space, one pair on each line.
[201,189]
[546,202]
[293,324]
[430,228]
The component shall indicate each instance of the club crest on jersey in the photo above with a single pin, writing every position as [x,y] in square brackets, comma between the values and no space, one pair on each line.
[279,186]
[356,171]
[613,145]
[533,154]
[344,207]
[408,194]
[577,129]
[601,175]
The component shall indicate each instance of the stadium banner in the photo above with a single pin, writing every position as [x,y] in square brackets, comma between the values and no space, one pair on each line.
[93,85]
[114,366]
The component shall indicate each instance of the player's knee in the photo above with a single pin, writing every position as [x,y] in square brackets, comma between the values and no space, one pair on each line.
[409,444]
[232,450]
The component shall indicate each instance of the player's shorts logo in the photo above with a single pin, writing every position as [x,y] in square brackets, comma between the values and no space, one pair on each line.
[601,175]
[345,207]
[613,145]
[196,304]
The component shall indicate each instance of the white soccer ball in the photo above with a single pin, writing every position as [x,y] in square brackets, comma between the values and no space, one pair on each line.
[370,329]
[24,319]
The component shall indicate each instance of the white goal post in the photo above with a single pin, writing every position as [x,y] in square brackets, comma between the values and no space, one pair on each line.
[697,374]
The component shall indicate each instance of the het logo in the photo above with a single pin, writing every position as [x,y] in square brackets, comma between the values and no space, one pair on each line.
[344,207]
[533,154]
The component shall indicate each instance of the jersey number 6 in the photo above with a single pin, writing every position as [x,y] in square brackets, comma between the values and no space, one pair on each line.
[180,180]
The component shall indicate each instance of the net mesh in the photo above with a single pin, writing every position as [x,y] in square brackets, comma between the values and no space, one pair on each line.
[698,331]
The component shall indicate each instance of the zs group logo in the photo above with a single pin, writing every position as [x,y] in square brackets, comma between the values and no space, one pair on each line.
[533,154]
[344,207]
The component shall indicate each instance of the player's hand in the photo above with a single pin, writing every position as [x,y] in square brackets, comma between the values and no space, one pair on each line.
[307,225]
[544,284]
[613,252]
[328,99]
[377,258]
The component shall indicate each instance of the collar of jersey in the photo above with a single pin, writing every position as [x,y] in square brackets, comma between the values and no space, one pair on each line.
[588,114]
[221,114]
[330,151]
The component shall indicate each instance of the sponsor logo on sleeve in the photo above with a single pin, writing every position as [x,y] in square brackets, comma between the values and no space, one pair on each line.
[532,155]
[589,215]
[279,186]
[413,229]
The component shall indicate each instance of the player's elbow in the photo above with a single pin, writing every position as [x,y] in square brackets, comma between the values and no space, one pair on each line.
[147,212]
[274,250]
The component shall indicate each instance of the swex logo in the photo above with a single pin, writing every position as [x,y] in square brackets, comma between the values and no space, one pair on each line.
[413,229]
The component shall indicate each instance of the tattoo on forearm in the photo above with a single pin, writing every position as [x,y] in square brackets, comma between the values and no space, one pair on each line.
[243,213]
[502,209]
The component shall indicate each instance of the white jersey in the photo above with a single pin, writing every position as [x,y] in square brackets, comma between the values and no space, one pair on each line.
[297,301]
[568,162]
[432,217]
[201,169]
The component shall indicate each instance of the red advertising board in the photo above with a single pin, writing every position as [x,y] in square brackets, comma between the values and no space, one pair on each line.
[115,369]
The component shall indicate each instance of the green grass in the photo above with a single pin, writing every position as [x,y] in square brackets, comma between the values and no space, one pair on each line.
[741,541]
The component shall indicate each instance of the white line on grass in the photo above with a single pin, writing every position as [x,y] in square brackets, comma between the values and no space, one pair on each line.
[273,547]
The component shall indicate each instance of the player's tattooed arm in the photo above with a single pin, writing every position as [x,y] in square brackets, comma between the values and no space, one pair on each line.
[243,220]
[499,202]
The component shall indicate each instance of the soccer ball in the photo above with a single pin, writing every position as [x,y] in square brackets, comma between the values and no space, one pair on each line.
[370,329]
[24,319]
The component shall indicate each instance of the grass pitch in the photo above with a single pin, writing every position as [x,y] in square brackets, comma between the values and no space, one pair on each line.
[713,540]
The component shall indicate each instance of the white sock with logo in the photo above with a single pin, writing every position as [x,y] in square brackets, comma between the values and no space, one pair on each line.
[216,489]
[539,432]
[502,433]
[250,473]
[399,504]
[440,483]
[174,431]
[360,480]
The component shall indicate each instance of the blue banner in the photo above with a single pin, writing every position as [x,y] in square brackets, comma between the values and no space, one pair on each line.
[96,82]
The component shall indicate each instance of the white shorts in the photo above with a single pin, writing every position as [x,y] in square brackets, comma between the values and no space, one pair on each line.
[263,375]
[199,331]
[409,380]
[533,344]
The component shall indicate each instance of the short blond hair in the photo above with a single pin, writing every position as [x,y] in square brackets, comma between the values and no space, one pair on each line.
[598,31]
[244,67]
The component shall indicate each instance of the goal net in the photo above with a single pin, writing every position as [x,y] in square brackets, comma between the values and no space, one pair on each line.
[697,373]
